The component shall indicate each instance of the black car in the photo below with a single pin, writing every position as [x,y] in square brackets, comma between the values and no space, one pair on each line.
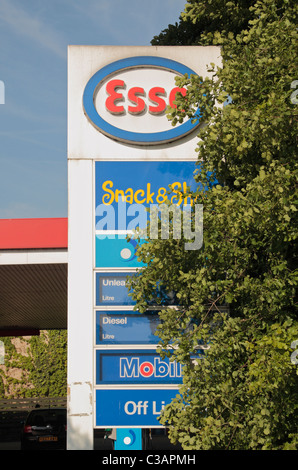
[44,428]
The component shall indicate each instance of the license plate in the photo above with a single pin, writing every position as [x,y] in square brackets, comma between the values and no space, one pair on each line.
[48,439]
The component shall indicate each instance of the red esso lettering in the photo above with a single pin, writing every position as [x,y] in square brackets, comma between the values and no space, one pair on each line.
[155,97]
[114,96]
[136,97]
[173,95]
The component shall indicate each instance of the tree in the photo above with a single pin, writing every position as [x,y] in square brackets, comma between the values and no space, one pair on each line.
[201,20]
[236,316]
[40,364]
[49,362]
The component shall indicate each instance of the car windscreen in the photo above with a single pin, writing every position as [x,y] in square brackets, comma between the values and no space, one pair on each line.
[45,417]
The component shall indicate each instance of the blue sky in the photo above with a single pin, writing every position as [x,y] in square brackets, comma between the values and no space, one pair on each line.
[34,35]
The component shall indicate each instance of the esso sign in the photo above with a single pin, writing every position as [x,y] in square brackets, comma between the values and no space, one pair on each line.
[136,98]
[127,100]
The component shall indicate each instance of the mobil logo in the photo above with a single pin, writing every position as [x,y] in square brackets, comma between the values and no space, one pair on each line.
[130,366]
[127,100]
[134,367]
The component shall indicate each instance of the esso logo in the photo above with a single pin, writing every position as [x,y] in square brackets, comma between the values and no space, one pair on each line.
[136,97]
[127,100]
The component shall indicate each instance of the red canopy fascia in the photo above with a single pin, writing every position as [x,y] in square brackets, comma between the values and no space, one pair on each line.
[43,233]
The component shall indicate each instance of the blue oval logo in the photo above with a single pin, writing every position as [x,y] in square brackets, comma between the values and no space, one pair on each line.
[137,137]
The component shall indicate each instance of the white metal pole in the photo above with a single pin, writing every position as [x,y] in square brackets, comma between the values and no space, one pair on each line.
[80,307]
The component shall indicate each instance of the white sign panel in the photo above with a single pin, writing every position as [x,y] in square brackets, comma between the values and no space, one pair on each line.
[115,92]
[117,115]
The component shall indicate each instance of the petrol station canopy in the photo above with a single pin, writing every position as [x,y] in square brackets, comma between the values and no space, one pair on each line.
[33,275]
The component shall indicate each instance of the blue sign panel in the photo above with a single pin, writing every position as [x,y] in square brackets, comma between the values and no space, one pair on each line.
[127,367]
[125,193]
[111,289]
[131,407]
[123,190]
[116,252]
[148,138]
[128,439]
[126,327]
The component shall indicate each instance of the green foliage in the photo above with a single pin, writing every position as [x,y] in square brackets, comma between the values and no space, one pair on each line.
[49,354]
[201,20]
[41,372]
[243,393]
[13,386]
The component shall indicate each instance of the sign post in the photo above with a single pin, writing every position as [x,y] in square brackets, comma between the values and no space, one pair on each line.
[123,154]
